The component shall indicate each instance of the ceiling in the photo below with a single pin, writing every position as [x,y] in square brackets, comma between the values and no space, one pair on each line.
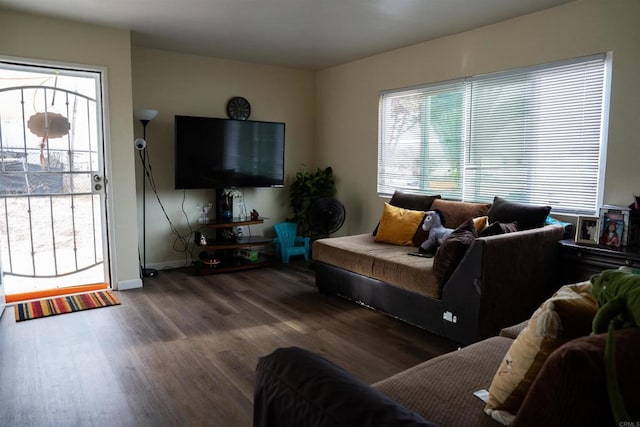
[309,34]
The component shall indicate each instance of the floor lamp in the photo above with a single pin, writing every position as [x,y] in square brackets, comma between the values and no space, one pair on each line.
[145,116]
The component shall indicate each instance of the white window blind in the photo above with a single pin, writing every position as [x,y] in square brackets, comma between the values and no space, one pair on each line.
[421,140]
[533,135]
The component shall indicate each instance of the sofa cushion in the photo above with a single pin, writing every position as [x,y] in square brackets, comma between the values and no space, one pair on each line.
[361,254]
[566,315]
[441,389]
[527,216]
[398,225]
[414,202]
[455,213]
[571,388]
[497,228]
[452,250]
[295,387]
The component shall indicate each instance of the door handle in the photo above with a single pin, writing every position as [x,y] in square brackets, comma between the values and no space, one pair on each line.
[98,183]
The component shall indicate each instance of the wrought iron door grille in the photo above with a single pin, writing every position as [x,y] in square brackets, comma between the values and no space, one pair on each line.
[46,192]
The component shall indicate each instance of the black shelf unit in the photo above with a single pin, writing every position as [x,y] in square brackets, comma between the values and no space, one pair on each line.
[224,249]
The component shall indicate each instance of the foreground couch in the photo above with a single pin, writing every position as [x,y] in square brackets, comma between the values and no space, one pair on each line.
[295,387]
[499,280]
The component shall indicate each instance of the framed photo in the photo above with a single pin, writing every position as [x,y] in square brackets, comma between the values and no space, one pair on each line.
[614,225]
[588,230]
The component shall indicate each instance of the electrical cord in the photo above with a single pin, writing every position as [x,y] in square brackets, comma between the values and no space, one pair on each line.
[182,242]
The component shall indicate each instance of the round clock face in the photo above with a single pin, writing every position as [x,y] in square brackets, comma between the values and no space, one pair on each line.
[238,108]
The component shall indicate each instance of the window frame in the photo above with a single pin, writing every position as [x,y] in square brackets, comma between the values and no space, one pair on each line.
[595,196]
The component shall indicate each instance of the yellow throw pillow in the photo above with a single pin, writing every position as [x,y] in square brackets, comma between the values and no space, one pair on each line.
[398,225]
[568,314]
[480,222]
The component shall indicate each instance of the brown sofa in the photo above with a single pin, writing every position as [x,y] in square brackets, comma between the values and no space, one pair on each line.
[499,281]
[295,387]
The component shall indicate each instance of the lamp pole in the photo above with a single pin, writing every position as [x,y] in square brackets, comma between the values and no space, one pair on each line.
[144,116]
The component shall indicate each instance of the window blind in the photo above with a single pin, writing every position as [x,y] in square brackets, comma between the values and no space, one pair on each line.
[421,140]
[533,135]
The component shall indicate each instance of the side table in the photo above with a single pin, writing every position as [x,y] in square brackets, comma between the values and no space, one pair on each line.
[579,262]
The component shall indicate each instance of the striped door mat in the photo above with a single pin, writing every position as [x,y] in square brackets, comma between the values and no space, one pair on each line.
[67,304]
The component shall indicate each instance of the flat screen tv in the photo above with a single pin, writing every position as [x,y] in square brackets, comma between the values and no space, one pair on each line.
[220,153]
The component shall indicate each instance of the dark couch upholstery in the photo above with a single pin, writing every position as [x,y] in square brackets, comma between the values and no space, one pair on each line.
[500,280]
[297,387]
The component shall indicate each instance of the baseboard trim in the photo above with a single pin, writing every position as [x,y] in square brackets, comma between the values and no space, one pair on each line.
[167,265]
[125,285]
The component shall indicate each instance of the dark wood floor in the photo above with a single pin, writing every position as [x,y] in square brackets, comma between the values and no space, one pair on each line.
[183,349]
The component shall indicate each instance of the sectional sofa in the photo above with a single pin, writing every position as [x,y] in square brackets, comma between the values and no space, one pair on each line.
[493,280]
[295,387]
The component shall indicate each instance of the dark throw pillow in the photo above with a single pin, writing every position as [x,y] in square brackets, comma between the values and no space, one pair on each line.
[452,250]
[527,216]
[499,228]
[414,202]
[420,235]
[574,374]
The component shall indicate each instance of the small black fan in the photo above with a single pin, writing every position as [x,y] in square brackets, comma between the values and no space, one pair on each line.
[325,216]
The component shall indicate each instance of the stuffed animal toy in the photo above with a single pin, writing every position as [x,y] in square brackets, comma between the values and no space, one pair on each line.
[434,224]
[618,295]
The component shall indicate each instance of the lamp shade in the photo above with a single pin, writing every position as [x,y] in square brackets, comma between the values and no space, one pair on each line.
[144,114]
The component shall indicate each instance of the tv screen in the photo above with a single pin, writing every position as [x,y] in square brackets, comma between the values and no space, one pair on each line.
[220,153]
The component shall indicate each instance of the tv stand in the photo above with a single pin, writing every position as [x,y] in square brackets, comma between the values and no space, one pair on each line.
[223,250]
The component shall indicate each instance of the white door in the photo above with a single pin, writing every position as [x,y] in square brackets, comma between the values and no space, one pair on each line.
[2,300]
[52,184]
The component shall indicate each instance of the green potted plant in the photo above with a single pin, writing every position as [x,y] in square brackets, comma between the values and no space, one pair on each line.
[308,187]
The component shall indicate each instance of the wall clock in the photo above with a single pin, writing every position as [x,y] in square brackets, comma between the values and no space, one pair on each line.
[238,108]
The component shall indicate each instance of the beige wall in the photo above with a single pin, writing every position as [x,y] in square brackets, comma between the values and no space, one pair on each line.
[182,84]
[34,37]
[347,95]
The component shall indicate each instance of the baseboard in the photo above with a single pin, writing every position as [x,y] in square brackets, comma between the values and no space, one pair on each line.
[178,263]
[129,284]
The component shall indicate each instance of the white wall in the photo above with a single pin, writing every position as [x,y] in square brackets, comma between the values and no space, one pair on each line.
[183,84]
[36,37]
[347,95]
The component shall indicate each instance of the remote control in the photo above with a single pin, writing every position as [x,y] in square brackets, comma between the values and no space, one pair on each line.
[420,254]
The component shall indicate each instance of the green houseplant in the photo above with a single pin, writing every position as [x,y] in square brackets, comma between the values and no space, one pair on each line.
[308,187]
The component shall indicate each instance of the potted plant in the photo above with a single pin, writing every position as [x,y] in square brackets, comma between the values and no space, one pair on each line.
[308,187]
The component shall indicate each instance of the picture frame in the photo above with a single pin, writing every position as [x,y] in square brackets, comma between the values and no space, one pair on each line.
[614,226]
[588,230]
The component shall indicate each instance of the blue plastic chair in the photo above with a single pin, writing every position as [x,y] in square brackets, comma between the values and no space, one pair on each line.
[287,243]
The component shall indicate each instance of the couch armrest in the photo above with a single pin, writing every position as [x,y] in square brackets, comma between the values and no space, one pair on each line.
[502,280]
[519,272]
[513,331]
[295,387]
